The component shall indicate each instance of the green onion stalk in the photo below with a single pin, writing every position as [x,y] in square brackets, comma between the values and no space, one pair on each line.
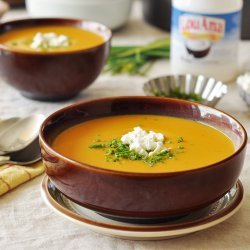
[136,60]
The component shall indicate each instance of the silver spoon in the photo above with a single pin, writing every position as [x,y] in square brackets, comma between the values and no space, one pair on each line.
[19,134]
[26,156]
[6,123]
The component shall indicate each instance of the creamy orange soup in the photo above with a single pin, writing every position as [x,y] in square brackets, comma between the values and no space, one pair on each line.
[202,145]
[79,39]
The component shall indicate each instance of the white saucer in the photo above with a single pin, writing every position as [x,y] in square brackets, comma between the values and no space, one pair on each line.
[204,218]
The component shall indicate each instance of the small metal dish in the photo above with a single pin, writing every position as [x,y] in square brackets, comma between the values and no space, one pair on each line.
[199,88]
[243,82]
[245,96]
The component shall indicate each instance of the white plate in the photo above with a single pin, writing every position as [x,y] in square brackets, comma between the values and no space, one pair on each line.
[204,218]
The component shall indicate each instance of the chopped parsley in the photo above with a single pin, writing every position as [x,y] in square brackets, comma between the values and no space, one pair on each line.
[180,139]
[161,157]
[14,43]
[97,146]
[115,150]
[176,93]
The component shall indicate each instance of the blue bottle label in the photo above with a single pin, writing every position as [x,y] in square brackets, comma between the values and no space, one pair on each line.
[205,38]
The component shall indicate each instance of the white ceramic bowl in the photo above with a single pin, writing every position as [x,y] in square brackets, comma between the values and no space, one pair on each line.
[3,8]
[112,13]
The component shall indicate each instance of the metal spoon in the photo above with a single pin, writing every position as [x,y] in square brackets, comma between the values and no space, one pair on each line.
[19,134]
[5,124]
[26,156]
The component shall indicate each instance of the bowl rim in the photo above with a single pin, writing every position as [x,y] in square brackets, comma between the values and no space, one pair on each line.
[182,75]
[29,22]
[138,174]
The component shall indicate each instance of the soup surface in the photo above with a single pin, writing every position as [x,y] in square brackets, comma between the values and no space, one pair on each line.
[21,39]
[200,145]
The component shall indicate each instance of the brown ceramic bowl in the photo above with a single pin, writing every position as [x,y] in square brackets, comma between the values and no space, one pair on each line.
[141,195]
[55,75]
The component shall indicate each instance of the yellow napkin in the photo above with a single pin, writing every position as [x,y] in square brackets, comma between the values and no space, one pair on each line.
[12,176]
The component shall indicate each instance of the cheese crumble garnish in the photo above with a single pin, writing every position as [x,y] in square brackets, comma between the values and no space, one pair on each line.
[138,145]
[49,40]
[144,143]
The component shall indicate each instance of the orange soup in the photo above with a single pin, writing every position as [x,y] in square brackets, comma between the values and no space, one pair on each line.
[192,144]
[78,39]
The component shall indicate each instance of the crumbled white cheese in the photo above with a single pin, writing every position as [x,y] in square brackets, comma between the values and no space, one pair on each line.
[145,144]
[49,40]
[244,82]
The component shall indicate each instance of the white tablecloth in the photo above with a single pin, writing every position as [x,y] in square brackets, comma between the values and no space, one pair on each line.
[27,223]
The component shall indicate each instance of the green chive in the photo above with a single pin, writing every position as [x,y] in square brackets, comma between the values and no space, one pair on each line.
[180,139]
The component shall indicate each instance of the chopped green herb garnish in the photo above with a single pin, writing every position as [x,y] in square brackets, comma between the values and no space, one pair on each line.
[97,146]
[151,160]
[176,93]
[180,147]
[117,150]
[180,139]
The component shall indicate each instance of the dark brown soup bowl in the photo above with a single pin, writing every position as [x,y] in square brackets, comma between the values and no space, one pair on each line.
[141,195]
[53,76]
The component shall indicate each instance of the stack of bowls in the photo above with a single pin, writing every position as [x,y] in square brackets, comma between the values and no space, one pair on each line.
[112,13]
